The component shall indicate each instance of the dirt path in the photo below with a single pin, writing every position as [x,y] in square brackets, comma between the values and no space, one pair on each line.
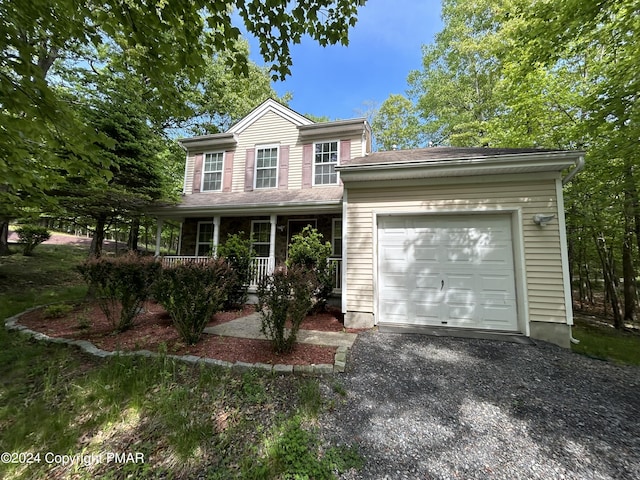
[66,239]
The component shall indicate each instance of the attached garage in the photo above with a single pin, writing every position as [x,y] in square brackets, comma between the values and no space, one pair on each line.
[451,239]
[447,270]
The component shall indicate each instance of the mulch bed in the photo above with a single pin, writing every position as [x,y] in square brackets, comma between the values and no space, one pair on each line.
[153,330]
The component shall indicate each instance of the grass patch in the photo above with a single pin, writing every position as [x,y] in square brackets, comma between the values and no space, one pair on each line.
[607,343]
[187,421]
[48,276]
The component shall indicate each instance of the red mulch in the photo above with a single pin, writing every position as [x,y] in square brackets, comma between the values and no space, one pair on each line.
[154,331]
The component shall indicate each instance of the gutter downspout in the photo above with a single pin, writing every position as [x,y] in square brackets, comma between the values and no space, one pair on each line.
[577,169]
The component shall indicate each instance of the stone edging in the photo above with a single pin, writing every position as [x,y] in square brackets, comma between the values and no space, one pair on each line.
[338,366]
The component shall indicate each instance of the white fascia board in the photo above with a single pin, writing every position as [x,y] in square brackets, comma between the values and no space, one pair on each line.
[457,167]
[269,105]
[340,128]
[214,141]
[252,209]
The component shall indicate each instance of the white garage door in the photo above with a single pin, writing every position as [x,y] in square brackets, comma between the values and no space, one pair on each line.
[453,271]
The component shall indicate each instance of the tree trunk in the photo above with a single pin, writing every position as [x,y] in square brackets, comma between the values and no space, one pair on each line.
[134,234]
[609,276]
[4,237]
[628,268]
[98,237]
[628,274]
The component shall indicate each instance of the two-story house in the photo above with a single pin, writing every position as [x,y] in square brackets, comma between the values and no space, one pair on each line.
[443,240]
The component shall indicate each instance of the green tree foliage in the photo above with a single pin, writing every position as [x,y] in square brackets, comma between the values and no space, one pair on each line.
[131,148]
[167,44]
[31,236]
[397,125]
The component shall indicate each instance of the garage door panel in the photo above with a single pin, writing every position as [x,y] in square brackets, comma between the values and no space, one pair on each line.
[425,253]
[427,312]
[458,271]
[459,282]
[392,280]
[394,310]
[390,254]
[501,283]
[425,281]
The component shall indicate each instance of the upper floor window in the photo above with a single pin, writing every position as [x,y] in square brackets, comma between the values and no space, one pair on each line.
[266,167]
[325,161]
[212,172]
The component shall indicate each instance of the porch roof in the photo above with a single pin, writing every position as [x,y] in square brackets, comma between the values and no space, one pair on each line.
[316,199]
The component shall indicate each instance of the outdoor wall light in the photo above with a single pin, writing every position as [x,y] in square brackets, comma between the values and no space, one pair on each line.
[542,219]
[281,228]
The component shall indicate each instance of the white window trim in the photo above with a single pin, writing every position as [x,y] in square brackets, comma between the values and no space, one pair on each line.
[213,234]
[335,221]
[204,162]
[268,222]
[313,173]
[255,168]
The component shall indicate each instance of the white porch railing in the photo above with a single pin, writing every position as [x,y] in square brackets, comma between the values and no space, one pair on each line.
[337,274]
[172,260]
[260,267]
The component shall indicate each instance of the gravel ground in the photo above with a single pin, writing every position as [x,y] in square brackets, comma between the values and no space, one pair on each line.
[438,408]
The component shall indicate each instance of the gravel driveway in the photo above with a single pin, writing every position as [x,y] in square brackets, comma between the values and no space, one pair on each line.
[438,408]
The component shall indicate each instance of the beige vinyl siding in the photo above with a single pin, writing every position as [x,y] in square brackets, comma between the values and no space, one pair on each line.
[542,250]
[268,130]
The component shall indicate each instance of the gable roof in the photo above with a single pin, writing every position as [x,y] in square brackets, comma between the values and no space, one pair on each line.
[269,105]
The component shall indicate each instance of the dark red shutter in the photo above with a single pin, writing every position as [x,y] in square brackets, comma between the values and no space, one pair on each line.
[283,174]
[197,172]
[307,165]
[227,175]
[249,169]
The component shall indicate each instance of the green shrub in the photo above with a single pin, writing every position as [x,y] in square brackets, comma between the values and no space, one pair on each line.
[31,236]
[57,310]
[284,296]
[308,250]
[120,285]
[239,254]
[192,292]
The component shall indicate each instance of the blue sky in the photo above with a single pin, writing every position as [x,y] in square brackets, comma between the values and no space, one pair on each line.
[384,46]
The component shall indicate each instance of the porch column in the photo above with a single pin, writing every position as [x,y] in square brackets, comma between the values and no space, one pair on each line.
[272,244]
[179,251]
[158,236]
[216,234]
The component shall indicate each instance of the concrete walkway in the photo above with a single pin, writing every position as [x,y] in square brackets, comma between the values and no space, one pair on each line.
[249,327]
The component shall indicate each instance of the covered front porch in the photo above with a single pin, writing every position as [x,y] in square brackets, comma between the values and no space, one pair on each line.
[271,235]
